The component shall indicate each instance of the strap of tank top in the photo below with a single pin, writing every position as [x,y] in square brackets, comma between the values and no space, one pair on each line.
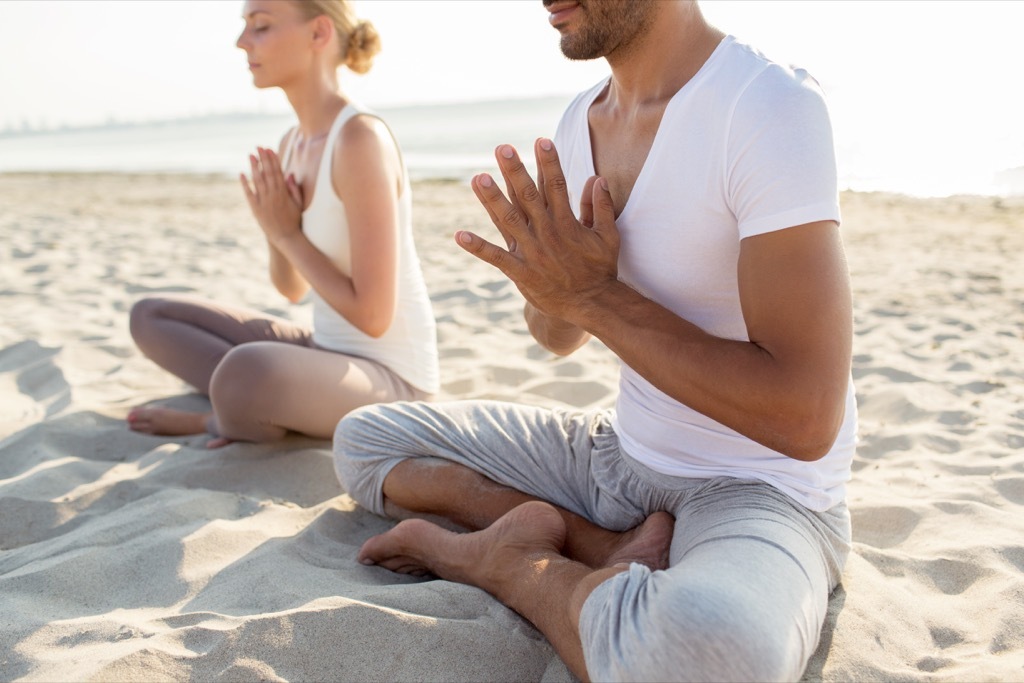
[289,146]
[352,109]
[324,172]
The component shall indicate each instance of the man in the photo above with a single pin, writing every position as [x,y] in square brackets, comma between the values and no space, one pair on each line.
[696,531]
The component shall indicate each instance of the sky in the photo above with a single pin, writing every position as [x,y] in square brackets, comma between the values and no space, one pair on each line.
[938,79]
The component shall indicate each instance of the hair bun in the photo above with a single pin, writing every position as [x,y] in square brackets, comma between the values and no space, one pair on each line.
[363,46]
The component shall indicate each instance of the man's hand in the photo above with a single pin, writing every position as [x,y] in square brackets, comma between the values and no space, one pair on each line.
[556,261]
[276,202]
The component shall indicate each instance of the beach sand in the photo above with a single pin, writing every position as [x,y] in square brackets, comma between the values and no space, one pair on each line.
[126,557]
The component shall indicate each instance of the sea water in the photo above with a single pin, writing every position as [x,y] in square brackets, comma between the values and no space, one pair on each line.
[456,141]
[450,141]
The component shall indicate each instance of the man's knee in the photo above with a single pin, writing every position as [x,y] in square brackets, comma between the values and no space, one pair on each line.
[357,430]
[358,456]
[646,626]
[352,437]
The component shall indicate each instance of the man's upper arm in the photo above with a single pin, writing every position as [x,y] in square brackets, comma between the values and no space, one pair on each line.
[795,296]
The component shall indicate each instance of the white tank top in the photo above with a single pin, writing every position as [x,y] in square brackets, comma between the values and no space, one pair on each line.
[744,148]
[409,347]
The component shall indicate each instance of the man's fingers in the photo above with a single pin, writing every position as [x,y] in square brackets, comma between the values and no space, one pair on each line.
[540,179]
[485,251]
[507,218]
[551,180]
[587,203]
[604,212]
[523,190]
[510,192]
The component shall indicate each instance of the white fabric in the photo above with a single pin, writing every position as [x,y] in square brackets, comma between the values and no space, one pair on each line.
[744,148]
[409,347]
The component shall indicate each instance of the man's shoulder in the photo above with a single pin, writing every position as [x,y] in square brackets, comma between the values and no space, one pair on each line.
[764,76]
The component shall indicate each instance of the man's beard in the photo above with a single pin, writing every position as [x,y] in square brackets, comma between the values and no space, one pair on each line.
[609,27]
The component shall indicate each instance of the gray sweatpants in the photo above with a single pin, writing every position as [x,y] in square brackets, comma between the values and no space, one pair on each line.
[750,570]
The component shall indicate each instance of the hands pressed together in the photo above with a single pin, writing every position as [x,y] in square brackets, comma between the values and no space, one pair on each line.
[556,261]
[276,201]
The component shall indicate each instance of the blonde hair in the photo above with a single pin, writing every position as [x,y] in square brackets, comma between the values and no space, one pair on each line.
[359,40]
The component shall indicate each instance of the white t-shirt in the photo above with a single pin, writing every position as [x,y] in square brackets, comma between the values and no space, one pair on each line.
[744,148]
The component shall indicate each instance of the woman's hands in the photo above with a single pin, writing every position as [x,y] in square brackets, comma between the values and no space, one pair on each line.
[276,202]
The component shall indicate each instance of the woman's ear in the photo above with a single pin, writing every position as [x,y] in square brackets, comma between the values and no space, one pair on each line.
[323,31]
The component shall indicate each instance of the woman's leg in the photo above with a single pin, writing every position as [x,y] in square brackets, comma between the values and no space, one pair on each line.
[189,337]
[262,390]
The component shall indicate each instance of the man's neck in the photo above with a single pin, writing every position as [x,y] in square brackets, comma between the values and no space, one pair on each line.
[659,63]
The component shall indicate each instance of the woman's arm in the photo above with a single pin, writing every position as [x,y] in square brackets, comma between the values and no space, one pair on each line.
[285,278]
[287,209]
[366,173]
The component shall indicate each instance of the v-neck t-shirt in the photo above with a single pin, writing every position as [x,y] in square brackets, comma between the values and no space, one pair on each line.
[744,148]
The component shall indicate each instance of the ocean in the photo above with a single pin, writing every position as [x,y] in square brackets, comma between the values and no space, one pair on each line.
[443,141]
[446,141]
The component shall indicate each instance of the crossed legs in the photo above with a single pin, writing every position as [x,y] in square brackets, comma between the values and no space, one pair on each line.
[742,597]
[527,553]
[519,561]
[263,374]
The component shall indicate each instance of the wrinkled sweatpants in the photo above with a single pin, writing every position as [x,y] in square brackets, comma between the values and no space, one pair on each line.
[750,572]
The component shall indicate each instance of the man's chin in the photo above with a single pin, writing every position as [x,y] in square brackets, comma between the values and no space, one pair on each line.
[577,53]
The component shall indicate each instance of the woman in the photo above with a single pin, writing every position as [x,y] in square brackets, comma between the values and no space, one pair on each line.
[335,208]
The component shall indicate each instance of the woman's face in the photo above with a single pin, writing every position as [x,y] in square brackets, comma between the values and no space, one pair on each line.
[276,40]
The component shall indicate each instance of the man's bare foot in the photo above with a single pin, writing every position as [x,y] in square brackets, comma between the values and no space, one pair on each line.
[167,421]
[647,543]
[482,558]
[519,561]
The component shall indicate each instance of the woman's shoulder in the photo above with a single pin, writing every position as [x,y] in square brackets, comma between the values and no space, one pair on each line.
[365,128]
[365,137]
[365,154]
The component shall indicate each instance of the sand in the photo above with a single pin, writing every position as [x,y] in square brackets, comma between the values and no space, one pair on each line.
[126,557]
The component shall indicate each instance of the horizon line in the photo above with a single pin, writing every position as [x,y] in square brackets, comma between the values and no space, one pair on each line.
[26,130]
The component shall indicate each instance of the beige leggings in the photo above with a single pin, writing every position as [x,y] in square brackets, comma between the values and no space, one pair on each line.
[264,375]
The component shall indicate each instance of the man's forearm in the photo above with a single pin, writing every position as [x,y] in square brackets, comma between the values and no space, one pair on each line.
[778,401]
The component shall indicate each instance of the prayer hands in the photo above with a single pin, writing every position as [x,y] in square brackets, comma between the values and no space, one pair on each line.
[556,261]
[276,202]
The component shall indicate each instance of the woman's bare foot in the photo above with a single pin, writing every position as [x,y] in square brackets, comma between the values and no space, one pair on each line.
[167,421]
